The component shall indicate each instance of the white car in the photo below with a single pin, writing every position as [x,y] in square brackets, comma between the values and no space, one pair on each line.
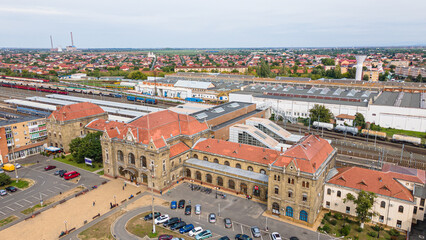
[195,231]
[276,236]
[17,165]
[161,219]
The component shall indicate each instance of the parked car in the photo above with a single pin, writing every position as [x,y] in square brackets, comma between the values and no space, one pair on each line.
[58,172]
[1,170]
[276,236]
[17,166]
[195,231]
[294,238]
[165,237]
[188,209]
[71,175]
[228,223]
[242,237]
[173,205]
[11,189]
[255,231]
[49,167]
[3,192]
[171,221]
[197,209]
[186,228]
[178,225]
[203,235]
[212,218]
[181,204]
[224,238]
[149,216]
[161,219]
[178,239]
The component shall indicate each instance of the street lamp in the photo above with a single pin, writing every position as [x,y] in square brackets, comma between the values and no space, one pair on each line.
[216,192]
[66,229]
[115,200]
[152,195]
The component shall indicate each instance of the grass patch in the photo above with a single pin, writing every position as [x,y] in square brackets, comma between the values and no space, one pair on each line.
[142,228]
[8,220]
[69,160]
[34,208]
[391,131]
[352,228]
[21,184]
[101,172]
[100,230]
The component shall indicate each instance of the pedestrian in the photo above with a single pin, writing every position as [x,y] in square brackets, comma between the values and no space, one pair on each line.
[110,204]
[93,203]
[123,188]
[125,184]
[161,192]
[189,202]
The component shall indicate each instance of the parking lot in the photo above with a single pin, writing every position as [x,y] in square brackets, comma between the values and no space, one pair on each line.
[243,213]
[46,184]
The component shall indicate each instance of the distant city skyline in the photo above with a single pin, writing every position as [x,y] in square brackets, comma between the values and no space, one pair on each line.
[224,24]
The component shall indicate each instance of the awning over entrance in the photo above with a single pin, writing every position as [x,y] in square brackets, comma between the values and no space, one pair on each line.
[227,169]
[131,170]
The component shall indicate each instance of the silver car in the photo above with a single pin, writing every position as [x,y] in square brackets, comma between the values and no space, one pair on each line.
[255,231]
[198,209]
[212,218]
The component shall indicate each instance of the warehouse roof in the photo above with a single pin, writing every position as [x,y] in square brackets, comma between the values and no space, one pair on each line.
[194,84]
[214,112]
[12,118]
[400,99]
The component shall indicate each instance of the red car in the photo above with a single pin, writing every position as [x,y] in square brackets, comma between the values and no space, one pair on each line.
[71,175]
[165,237]
[49,167]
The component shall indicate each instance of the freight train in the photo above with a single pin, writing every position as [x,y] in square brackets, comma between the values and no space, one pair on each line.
[8,85]
[142,99]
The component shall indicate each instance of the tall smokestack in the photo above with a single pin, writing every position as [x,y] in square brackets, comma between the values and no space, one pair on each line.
[359,64]
[51,42]
[72,40]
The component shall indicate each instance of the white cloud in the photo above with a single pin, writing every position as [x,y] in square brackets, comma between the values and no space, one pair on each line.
[38,11]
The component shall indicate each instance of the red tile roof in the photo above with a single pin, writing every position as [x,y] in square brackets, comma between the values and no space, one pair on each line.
[383,183]
[308,154]
[237,150]
[75,111]
[178,149]
[405,173]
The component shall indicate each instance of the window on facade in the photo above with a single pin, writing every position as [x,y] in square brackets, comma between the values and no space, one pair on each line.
[381,218]
[238,165]
[120,155]
[348,210]
[339,193]
[231,184]
[106,156]
[279,178]
[226,163]
[290,194]
[276,190]
[275,177]
[328,191]
[250,168]
[173,164]
[196,156]
[164,165]
[262,171]
[131,158]
[415,210]
[307,184]
[215,160]
[290,181]
[327,204]
[382,204]
[143,161]
[422,202]
[303,183]
[205,158]
[305,197]
[401,209]
[398,223]
[54,135]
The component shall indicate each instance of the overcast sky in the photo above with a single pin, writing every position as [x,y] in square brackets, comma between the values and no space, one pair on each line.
[212,24]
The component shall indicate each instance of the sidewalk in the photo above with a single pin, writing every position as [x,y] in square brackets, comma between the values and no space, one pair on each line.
[73,213]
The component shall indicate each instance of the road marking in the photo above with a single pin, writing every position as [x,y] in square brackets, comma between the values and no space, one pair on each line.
[9,200]
[9,208]
[50,190]
[29,191]
[2,213]
[44,194]
[18,204]
[38,198]
[60,189]
[26,200]
[44,181]
[242,232]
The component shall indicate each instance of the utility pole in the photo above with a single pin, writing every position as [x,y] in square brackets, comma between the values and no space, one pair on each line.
[152,204]
[402,153]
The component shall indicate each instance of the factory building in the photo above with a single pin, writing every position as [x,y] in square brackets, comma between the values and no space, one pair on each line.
[272,129]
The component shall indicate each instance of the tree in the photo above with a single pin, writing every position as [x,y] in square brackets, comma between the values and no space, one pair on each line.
[365,77]
[359,120]
[89,146]
[419,78]
[320,113]
[263,70]
[328,62]
[4,179]
[136,75]
[364,203]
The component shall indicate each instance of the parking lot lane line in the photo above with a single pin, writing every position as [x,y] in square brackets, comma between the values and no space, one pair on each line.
[43,194]
[60,189]
[26,200]
[8,200]
[50,190]
[261,236]
[2,213]
[242,232]
[233,228]
[38,198]
[18,204]
[9,208]
[43,182]
[29,191]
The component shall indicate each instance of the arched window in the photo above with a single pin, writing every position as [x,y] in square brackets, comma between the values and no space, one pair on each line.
[188,173]
[303,183]
[307,184]
[289,211]
[226,163]
[231,184]
[303,216]
[143,161]
[81,124]
[275,208]
[400,209]
[328,191]
[198,175]
[262,171]
[196,156]
[275,177]
[256,191]
[131,158]
[290,194]
[238,165]
[250,168]
[215,160]
[209,178]
[205,158]
[173,164]
[279,178]
[304,197]
[382,204]
[219,181]
[276,190]
[120,156]
[339,193]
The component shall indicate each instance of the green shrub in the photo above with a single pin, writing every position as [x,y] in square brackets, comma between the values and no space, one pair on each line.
[323,221]
[377,228]
[326,228]
[394,232]
[333,222]
[359,229]
[338,216]
[345,230]
[4,179]
[319,229]
[62,156]
[348,220]
[327,218]
[372,234]
[356,237]
[328,214]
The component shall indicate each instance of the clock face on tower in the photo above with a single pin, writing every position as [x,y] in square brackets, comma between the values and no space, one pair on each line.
[129,138]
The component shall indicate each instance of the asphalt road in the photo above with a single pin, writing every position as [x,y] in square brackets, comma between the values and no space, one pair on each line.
[46,184]
[244,214]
